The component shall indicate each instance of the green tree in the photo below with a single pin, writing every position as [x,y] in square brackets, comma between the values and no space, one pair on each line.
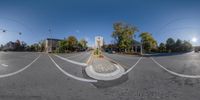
[42,45]
[178,45]
[170,45]
[62,46]
[123,35]
[32,48]
[187,46]
[17,45]
[23,45]
[72,43]
[162,47]
[82,44]
[1,47]
[148,42]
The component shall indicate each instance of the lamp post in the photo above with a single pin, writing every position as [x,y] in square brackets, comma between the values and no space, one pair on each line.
[51,44]
[141,49]
[4,31]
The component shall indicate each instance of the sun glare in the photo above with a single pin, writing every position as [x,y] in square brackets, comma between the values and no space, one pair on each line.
[194,39]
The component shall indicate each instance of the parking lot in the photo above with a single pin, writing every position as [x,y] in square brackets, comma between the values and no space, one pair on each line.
[41,76]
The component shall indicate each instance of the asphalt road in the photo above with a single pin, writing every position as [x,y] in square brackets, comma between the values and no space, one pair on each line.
[188,63]
[127,61]
[42,80]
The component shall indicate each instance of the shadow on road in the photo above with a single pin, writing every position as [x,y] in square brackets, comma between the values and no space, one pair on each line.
[165,54]
[107,84]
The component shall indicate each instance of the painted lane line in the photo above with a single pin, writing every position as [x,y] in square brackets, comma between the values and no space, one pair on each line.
[174,73]
[133,66]
[121,63]
[89,59]
[4,65]
[71,61]
[13,73]
[72,76]
[112,60]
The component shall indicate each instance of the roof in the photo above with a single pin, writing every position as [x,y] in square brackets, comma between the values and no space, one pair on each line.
[54,39]
[136,42]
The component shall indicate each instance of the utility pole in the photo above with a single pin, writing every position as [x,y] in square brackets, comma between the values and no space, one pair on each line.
[141,49]
[51,44]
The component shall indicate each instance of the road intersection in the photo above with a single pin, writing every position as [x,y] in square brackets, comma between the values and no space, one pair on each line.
[41,76]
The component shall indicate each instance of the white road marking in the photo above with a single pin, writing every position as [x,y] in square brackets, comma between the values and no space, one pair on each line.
[174,73]
[129,68]
[4,65]
[87,62]
[71,61]
[72,76]
[133,66]
[13,73]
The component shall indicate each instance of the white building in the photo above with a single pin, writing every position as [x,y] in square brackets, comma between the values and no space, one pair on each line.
[98,41]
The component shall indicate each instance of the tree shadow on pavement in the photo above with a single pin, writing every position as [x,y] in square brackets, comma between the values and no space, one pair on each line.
[167,54]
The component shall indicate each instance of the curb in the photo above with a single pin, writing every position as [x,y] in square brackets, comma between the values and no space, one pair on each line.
[104,76]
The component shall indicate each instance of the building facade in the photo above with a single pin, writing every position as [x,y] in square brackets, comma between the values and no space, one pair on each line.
[98,41]
[136,47]
[51,44]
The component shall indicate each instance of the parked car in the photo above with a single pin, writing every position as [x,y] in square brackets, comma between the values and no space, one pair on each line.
[113,52]
[109,51]
[196,50]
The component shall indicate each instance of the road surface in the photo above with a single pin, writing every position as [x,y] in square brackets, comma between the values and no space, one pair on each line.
[42,80]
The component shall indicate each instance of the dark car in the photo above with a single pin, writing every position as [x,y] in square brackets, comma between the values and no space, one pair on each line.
[196,49]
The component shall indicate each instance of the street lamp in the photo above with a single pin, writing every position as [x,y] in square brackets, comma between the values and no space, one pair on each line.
[51,40]
[4,31]
[141,49]
[20,33]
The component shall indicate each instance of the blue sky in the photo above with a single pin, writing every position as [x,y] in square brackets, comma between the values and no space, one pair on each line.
[88,18]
